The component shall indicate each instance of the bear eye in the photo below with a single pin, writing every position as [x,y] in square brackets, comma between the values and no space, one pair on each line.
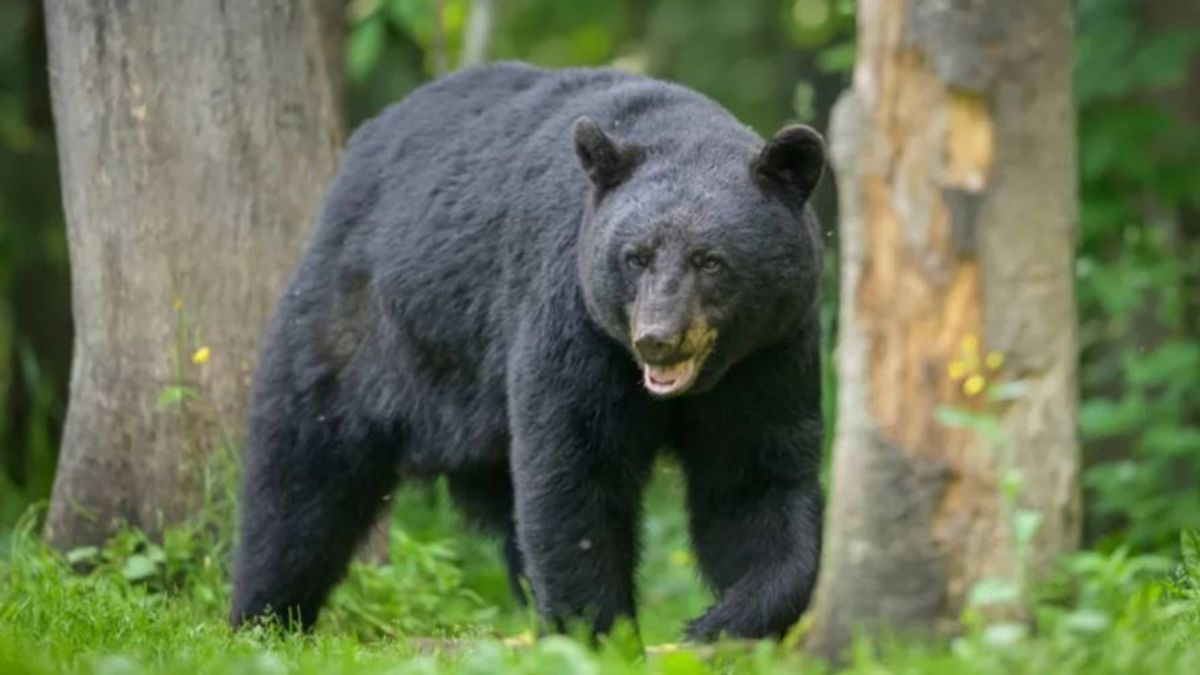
[637,259]
[708,263]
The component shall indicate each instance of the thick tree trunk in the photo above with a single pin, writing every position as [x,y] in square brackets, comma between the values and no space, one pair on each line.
[195,142]
[955,157]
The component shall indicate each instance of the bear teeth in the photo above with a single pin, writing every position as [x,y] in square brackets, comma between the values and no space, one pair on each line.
[669,379]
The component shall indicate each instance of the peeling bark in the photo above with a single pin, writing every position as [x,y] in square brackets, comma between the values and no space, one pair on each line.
[195,141]
[954,153]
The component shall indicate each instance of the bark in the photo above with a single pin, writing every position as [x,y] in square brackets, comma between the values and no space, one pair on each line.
[955,157]
[477,38]
[334,27]
[195,142]
[441,59]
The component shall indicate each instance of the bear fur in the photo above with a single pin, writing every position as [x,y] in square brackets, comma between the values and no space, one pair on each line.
[533,282]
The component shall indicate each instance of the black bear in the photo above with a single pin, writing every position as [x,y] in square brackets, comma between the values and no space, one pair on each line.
[532,282]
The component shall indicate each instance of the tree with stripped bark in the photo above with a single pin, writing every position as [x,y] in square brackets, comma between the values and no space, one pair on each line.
[956,460]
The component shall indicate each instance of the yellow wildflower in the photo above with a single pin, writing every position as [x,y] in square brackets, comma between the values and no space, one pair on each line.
[957,370]
[970,344]
[974,384]
[200,356]
[994,360]
[177,303]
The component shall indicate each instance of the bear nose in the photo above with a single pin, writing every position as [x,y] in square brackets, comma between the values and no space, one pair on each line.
[656,345]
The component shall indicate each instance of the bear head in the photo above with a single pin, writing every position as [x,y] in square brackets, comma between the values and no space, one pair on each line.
[697,249]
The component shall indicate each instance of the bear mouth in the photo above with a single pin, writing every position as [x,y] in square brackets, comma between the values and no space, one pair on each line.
[670,379]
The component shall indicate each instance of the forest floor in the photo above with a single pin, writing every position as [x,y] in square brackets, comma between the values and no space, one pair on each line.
[443,606]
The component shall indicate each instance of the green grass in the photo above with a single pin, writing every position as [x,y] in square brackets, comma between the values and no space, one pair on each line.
[443,606]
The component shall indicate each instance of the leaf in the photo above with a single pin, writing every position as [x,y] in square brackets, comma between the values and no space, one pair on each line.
[992,591]
[983,425]
[1101,418]
[413,17]
[82,554]
[174,395]
[837,59]
[680,663]
[1005,634]
[1025,525]
[1172,441]
[1008,391]
[1189,542]
[1164,364]
[155,554]
[1087,621]
[138,567]
[365,48]
[564,655]
[1162,63]
[1010,485]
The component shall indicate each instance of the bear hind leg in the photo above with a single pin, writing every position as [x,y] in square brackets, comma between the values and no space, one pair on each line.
[311,493]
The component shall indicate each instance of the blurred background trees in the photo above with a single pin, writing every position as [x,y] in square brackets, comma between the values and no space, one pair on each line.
[1138,271]
[1138,263]
[35,299]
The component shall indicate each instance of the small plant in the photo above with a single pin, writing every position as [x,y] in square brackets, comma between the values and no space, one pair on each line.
[993,603]
[421,592]
[188,354]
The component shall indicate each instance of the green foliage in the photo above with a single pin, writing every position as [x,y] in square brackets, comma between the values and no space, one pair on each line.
[420,591]
[984,425]
[160,608]
[766,60]
[143,604]
[1190,545]
[1138,283]
[34,301]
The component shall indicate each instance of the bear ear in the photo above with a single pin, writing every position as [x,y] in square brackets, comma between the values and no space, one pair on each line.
[606,162]
[793,160]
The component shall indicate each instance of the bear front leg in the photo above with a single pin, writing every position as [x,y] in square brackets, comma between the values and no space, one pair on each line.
[577,525]
[583,442]
[758,541]
[751,453]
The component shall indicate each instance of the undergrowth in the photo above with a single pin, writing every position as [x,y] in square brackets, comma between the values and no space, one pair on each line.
[442,605]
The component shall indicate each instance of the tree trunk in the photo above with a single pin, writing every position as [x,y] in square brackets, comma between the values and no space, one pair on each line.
[955,157]
[195,142]
[477,37]
[441,59]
